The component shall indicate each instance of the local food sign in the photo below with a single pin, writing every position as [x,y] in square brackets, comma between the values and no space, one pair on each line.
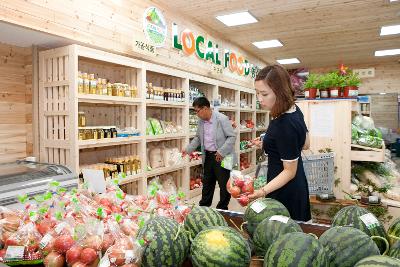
[155,27]
[206,50]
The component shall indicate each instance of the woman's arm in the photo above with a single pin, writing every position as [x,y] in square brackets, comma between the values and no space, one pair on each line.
[288,173]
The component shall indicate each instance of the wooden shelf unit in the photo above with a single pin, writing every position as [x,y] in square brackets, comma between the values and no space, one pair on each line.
[60,102]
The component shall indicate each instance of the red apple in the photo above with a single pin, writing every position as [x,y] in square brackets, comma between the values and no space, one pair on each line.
[88,255]
[79,264]
[45,226]
[93,242]
[239,182]
[54,259]
[235,191]
[244,200]
[63,243]
[117,256]
[73,254]
[105,202]
[248,188]
[108,241]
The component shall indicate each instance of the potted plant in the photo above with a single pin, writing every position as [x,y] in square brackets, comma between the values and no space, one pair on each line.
[310,86]
[352,82]
[336,82]
[323,85]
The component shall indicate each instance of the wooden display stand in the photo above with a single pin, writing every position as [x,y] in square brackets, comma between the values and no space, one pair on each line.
[60,102]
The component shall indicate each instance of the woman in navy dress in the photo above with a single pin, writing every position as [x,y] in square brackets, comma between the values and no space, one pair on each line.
[284,140]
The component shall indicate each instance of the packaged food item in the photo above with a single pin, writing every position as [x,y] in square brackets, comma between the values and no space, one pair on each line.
[109,89]
[113,131]
[239,186]
[86,84]
[81,119]
[80,83]
[81,133]
[99,88]
[92,84]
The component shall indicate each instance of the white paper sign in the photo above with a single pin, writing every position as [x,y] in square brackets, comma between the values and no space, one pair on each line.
[279,218]
[105,261]
[129,256]
[60,227]
[45,240]
[95,180]
[15,253]
[258,206]
[369,220]
[322,120]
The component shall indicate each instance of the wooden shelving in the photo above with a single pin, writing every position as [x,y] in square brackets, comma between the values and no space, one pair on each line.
[195,192]
[108,100]
[58,71]
[363,153]
[109,142]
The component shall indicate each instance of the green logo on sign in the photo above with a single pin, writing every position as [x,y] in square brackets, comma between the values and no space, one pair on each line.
[155,27]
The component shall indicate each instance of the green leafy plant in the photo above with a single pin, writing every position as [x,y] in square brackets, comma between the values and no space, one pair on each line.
[312,81]
[336,80]
[352,80]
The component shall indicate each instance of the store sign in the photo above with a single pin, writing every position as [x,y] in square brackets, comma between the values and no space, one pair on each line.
[190,44]
[155,27]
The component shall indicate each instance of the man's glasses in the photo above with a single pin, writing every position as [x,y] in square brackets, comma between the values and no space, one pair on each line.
[198,110]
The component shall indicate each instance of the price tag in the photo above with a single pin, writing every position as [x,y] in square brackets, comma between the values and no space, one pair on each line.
[369,220]
[60,227]
[258,206]
[129,256]
[45,240]
[279,218]
[15,253]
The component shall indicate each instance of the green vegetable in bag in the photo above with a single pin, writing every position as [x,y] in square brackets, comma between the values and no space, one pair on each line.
[157,128]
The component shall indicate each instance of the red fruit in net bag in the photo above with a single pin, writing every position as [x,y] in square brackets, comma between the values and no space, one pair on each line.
[93,242]
[88,255]
[116,256]
[73,254]
[79,264]
[248,188]
[63,243]
[235,191]
[54,259]
[239,182]
[244,200]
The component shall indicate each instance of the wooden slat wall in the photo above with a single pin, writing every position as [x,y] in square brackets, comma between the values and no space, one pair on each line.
[386,80]
[113,26]
[16,139]
[384,110]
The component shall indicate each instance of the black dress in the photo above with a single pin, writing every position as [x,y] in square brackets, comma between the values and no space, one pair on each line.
[284,140]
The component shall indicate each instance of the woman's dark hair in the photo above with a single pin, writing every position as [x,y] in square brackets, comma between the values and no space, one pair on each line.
[278,79]
[201,102]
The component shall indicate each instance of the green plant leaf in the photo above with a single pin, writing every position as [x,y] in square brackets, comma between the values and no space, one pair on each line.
[23,198]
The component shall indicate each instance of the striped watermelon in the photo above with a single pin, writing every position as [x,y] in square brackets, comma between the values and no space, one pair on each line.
[347,245]
[363,220]
[296,250]
[394,231]
[270,229]
[169,244]
[201,218]
[394,251]
[378,261]
[260,209]
[220,246]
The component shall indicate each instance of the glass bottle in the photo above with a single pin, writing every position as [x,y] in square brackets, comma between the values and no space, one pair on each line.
[80,83]
[81,119]
[109,89]
[86,85]
[99,87]
[92,84]
[104,86]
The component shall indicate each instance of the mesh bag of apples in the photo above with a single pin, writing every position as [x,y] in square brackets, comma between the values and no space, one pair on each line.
[240,186]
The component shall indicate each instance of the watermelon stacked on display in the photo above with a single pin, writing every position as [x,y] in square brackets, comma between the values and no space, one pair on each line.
[260,209]
[296,250]
[220,246]
[347,245]
[363,220]
[271,229]
[201,218]
[168,243]
[394,231]
[394,251]
[378,261]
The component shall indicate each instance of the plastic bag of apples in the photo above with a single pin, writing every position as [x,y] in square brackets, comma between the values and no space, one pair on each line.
[240,186]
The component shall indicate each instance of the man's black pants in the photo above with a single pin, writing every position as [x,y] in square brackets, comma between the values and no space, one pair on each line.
[214,172]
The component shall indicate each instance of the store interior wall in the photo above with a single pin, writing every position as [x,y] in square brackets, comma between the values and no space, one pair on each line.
[385,110]
[16,139]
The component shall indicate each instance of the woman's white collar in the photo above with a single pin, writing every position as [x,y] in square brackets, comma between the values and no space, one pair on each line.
[291,110]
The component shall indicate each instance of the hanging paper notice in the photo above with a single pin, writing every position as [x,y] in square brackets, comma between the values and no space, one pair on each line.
[322,120]
[95,180]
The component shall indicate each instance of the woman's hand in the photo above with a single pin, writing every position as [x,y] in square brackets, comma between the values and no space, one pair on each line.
[256,142]
[257,194]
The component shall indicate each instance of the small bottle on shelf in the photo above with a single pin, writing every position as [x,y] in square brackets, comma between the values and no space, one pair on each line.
[109,89]
[182,96]
[80,83]
[86,85]
[99,86]
[104,86]
[92,84]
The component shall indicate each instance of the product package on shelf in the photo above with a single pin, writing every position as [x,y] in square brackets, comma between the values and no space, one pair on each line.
[240,186]
[164,94]
[246,124]
[244,162]
[245,144]
[158,127]
[163,156]
[194,93]
[364,133]
[196,176]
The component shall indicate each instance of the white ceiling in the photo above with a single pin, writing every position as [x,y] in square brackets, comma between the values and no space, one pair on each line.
[23,37]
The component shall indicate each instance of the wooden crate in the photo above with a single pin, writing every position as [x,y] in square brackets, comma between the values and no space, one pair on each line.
[249,99]
[363,153]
